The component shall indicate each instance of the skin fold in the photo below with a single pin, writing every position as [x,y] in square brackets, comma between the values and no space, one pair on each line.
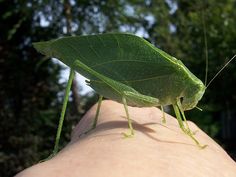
[156,149]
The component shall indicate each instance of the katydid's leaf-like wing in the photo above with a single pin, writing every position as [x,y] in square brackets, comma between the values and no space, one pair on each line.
[122,58]
[115,89]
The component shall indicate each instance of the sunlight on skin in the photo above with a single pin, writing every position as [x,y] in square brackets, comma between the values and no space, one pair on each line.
[156,149]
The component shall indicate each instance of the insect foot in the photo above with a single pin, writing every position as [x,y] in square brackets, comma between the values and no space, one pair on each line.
[48,158]
[190,134]
[89,130]
[128,135]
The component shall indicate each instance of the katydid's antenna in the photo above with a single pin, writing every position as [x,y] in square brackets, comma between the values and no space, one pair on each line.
[206,54]
[220,71]
[206,47]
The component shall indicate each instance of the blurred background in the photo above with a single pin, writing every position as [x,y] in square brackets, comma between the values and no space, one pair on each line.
[32,87]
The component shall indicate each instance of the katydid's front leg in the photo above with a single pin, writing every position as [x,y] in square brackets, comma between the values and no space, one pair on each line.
[179,118]
[183,115]
[187,131]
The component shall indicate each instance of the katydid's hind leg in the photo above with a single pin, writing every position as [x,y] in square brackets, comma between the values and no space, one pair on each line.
[163,115]
[131,133]
[186,131]
[95,120]
[62,116]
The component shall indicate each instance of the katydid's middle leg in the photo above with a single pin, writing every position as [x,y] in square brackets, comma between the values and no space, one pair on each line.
[183,115]
[138,99]
[129,120]
[95,120]
[97,112]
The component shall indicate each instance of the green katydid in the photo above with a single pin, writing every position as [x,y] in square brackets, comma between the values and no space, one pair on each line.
[129,70]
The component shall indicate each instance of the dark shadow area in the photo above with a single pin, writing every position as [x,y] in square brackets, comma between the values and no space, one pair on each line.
[137,127]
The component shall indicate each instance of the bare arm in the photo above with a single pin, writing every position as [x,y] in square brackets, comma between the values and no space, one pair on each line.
[155,150]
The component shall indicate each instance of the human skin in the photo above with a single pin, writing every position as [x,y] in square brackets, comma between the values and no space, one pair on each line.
[156,150]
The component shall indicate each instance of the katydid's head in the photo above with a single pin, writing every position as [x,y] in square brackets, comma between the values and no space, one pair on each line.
[194,94]
[196,89]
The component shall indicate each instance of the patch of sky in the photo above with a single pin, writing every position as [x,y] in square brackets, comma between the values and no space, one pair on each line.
[172,28]
[65,75]
[44,22]
[129,10]
[173,6]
